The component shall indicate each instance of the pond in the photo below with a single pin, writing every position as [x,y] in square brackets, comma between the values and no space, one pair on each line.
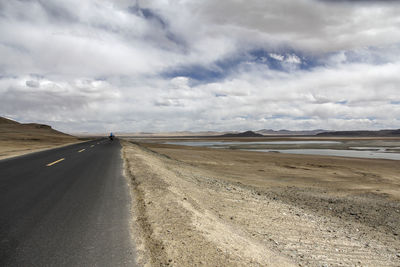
[336,152]
[377,152]
[222,143]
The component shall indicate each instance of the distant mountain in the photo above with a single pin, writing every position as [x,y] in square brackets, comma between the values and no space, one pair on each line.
[288,132]
[381,133]
[244,134]
[170,134]
[218,134]
[12,130]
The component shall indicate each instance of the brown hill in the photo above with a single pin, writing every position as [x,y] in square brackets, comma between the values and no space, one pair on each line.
[12,130]
[19,138]
[244,134]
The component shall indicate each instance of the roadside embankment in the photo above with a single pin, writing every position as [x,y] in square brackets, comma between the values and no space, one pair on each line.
[204,207]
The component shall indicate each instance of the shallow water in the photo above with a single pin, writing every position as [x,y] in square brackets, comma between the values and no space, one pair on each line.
[336,152]
[222,143]
[355,152]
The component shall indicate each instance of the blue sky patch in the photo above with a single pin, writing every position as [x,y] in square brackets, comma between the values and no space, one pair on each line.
[221,69]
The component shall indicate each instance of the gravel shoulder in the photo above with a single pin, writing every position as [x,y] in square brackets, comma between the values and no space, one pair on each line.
[204,207]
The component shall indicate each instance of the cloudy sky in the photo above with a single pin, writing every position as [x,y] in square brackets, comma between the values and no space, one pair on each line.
[173,65]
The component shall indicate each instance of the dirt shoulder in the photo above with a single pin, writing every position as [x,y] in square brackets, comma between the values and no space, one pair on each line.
[203,207]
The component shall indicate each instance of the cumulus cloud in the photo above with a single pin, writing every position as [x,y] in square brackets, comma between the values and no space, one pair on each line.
[201,65]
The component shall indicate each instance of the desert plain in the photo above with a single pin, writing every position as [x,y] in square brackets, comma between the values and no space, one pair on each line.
[197,206]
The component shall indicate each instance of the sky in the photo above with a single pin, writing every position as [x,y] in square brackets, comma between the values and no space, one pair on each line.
[179,65]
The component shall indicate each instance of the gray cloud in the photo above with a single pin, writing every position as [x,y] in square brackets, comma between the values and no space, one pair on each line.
[32,83]
[360,1]
[100,65]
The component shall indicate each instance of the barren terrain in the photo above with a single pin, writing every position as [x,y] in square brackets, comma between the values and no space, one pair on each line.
[208,207]
[18,139]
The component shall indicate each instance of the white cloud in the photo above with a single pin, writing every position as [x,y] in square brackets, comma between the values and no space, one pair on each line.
[117,65]
[276,56]
[293,59]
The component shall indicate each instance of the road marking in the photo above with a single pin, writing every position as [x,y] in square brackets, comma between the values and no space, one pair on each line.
[81,150]
[54,162]
[98,143]
[92,146]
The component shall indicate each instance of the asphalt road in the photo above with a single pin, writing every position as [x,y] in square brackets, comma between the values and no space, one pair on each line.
[66,207]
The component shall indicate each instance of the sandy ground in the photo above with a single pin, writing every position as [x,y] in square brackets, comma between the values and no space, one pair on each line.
[208,207]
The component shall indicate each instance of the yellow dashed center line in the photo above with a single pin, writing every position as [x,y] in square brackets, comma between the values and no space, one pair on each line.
[54,162]
[81,150]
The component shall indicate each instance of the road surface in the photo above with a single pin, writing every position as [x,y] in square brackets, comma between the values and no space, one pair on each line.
[66,207]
